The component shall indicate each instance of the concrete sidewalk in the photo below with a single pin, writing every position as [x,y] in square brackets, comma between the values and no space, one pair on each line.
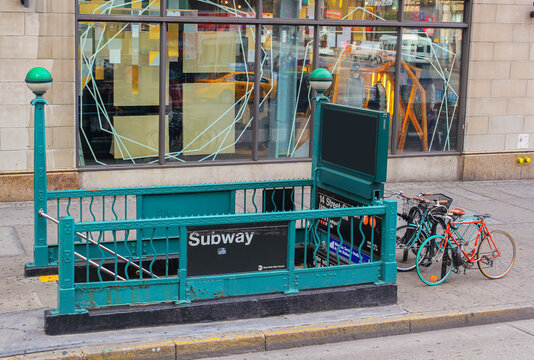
[462,300]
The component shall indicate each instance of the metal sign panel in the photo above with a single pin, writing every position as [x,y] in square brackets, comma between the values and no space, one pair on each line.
[354,141]
[236,248]
[361,227]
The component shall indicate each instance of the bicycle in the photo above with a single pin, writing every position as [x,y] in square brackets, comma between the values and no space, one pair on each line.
[493,252]
[419,212]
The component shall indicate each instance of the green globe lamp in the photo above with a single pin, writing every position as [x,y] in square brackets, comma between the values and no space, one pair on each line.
[39,81]
[320,81]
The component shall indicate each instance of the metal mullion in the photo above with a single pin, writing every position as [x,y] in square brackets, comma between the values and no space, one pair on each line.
[259,9]
[257,91]
[464,69]
[77,85]
[163,7]
[317,9]
[162,88]
[315,60]
[400,7]
[396,120]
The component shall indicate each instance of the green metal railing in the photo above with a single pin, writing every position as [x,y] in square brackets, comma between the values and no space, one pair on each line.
[123,204]
[320,266]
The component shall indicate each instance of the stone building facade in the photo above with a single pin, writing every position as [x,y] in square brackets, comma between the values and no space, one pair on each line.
[497,126]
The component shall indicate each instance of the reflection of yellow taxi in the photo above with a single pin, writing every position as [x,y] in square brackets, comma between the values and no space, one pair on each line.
[241,81]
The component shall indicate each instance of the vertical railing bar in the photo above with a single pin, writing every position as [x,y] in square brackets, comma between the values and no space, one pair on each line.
[68,207]
[102,254]
[254,201]
[363,240]
[272,200]
[307,222]
[140,251]
[283,199]
[154,251]
[351,238]
[116,260]
[166,252]
[87,275]
[127,248]
[372,225]
[341,241]
[113,207]
[302,198]
[125,207]
[91,209]
[328,244]
[244,201]
[104,218]
[81,209]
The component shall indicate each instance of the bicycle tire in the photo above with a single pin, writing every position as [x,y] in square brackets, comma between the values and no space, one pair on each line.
[434,260]
[499,266]
[407,246]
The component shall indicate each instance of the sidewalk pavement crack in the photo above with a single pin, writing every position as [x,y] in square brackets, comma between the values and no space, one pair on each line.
[522,330]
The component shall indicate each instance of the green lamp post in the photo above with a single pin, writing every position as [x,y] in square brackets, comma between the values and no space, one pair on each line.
[320,81]
[39,81]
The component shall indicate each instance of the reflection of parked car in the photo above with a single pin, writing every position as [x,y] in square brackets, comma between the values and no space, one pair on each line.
[243,82]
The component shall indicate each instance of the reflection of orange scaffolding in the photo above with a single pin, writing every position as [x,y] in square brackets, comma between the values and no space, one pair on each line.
[382,74]
[374,75]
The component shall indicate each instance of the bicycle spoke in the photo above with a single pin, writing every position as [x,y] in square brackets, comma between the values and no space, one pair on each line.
[434,260]
[497,255]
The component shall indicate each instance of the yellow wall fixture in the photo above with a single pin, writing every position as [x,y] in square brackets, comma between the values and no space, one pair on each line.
[522,159]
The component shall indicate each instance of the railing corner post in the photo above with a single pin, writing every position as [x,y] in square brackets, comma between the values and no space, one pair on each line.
[389,226]
[66,300]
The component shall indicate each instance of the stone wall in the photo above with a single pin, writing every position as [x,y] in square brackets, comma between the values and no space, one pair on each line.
[500,103]
[41,35]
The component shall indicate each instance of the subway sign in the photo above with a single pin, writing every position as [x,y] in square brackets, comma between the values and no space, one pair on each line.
[235,249]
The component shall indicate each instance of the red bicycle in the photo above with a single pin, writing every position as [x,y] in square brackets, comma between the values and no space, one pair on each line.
[466,241]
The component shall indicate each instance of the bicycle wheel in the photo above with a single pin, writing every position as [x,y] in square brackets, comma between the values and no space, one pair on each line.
[497,254]
[409,239]
[434,260]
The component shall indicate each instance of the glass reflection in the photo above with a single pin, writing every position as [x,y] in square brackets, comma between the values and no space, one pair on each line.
[359,9]
[434,10]
[429,90]
[119,93]
[285,114]
[119,7]
[211,90]
[362,63]
[294,9]
[219,8]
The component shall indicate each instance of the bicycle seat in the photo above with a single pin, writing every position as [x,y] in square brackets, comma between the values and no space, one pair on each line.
[458,212]
[482,216]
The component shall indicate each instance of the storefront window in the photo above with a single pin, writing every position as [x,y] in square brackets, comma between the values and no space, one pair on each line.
[295,9]
[219,8]
[429,90]
[197,103]
[434,10]
[359,9]
[211,91]
[119,92]
[119,7]
[362,63]
[284,122]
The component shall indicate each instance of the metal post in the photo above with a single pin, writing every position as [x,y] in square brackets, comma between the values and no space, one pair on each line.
[389,225]
[292,285]
[65,292]
[320,98]
[40,249]
[182,271]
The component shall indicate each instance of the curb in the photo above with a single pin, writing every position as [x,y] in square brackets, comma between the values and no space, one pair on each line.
[289,337]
